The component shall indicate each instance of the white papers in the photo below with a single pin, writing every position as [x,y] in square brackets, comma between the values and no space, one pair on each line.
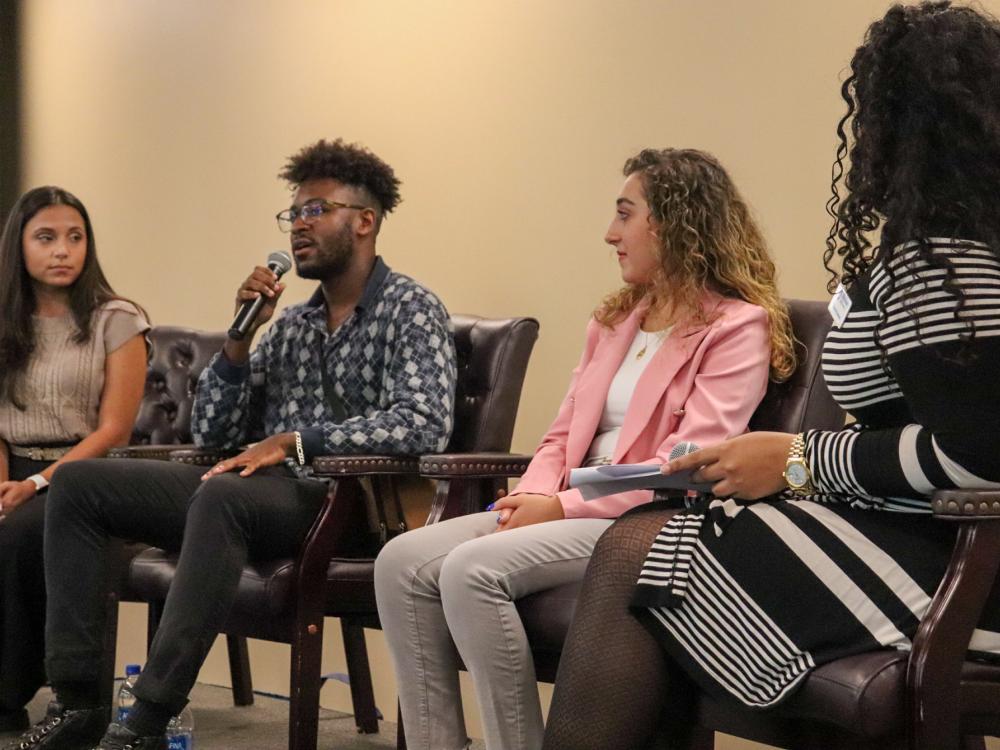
[598,481]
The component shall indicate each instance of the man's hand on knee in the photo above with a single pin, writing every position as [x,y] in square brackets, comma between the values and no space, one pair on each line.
[268,452]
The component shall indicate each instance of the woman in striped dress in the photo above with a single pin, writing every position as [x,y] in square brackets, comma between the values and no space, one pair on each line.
[818,546]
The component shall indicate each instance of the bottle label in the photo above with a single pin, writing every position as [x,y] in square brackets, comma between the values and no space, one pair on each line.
[123,712]
[180,742]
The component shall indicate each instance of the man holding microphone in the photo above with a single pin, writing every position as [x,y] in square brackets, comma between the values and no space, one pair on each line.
[366,365]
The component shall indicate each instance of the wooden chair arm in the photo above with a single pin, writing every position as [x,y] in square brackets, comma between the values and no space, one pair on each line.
[200,456]
[474,465]
[933,678]
[158,452]
[359,466]
[966,505]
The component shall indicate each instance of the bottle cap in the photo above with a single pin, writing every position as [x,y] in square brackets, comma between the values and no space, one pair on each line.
[132,669]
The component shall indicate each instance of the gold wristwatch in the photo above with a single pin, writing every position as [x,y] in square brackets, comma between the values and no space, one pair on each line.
[797,470]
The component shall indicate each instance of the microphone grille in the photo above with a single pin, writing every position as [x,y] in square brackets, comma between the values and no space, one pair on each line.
[682,449]
[281,261]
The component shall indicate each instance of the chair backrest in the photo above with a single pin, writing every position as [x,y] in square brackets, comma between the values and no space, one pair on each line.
[802,402]
[176,360]
[492,359]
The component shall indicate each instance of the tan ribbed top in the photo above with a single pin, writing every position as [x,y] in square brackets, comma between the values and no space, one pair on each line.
[63,383]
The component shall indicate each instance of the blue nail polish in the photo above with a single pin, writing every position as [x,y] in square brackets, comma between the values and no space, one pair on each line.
[490,506]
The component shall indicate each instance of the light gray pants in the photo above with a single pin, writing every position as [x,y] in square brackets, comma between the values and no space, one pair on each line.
[449,589]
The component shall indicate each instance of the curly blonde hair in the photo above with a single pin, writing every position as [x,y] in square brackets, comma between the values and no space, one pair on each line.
[708,241]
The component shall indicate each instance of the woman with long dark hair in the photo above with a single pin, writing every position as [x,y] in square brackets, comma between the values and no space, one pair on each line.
[821,545]
[682,352]
[73,368]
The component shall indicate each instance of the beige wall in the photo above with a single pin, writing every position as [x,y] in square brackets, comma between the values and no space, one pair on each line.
[507,120]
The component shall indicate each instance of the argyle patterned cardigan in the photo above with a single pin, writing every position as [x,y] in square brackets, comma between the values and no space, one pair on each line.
[391,363]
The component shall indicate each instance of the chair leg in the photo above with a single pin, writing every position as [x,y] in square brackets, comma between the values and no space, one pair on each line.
[400,734]
[107,678]
[362,693]
[303,707]
[239,670]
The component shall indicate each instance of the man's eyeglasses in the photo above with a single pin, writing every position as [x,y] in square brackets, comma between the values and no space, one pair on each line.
[310,212]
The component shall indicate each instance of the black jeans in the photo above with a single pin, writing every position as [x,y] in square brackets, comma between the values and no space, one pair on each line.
[218,526]
[22,595]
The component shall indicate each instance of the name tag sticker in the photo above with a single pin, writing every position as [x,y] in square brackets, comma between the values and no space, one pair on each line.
[840,305]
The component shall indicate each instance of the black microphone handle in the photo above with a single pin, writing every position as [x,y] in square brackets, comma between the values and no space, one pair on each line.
[245,318]
[249,310]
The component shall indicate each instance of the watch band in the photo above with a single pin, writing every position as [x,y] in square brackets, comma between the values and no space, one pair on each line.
[797,450]
[39,481]
[797,456]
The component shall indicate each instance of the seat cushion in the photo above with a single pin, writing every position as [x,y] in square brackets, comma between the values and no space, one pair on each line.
[547,614]
[264,588]
[350,587]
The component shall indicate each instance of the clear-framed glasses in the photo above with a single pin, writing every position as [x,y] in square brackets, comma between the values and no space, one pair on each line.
[310,212]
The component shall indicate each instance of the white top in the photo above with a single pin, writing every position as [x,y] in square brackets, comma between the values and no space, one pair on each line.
[640,353]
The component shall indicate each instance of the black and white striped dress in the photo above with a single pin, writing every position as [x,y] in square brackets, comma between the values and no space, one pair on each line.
[760,593]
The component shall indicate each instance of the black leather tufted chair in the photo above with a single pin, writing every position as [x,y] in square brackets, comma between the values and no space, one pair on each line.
[177,357]
[286,600]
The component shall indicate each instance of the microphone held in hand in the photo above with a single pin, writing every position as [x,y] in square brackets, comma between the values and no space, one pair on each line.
[278,262]
[682,449]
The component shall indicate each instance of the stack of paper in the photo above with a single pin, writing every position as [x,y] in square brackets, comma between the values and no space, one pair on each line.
[598,481]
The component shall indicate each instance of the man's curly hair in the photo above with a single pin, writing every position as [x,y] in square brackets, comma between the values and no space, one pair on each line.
[923,115]
[349,163]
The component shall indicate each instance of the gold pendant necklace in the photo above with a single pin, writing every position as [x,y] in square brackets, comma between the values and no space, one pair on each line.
[645,343]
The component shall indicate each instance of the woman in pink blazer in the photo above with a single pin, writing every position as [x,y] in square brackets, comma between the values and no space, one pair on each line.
[681,353]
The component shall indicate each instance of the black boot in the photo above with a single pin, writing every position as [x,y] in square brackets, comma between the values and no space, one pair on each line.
[62,729]
[121,738]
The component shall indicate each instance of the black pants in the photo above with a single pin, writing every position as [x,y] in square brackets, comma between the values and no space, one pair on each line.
[22,595]
[218,526]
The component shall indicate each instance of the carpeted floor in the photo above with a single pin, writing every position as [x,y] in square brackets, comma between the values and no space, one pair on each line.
[218,725]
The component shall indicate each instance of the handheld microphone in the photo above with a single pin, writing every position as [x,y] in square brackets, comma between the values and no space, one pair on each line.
[682,449]
[279,262]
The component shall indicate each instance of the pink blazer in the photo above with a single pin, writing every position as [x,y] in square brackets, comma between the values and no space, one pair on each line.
[702,385]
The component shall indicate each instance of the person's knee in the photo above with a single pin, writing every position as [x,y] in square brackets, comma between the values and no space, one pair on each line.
[623,546]
[219,500]
[397,563]
[72,481]
[465,570]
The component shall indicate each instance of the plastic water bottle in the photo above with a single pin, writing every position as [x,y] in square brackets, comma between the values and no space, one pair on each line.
[125,697]
[180,731]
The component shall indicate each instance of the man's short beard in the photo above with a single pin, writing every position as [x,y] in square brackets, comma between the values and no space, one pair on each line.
[332,257]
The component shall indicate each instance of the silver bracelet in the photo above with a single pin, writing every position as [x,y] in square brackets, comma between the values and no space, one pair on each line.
[300,454]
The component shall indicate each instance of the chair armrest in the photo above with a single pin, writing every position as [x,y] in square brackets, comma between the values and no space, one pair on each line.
[158,452]
[940,643]
[966,505]
[474,465]
[359,466]
[200,456]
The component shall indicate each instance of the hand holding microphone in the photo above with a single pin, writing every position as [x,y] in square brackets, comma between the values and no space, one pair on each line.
[258,296]
[749,466]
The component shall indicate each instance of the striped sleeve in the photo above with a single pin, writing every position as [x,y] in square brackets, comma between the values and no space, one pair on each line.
[920,376]
[897,462]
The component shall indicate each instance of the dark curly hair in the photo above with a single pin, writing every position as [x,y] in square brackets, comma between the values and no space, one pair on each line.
[350,164]
[17,295]
[923,144]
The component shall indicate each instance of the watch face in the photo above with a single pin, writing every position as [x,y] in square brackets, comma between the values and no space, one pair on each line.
[796,475]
